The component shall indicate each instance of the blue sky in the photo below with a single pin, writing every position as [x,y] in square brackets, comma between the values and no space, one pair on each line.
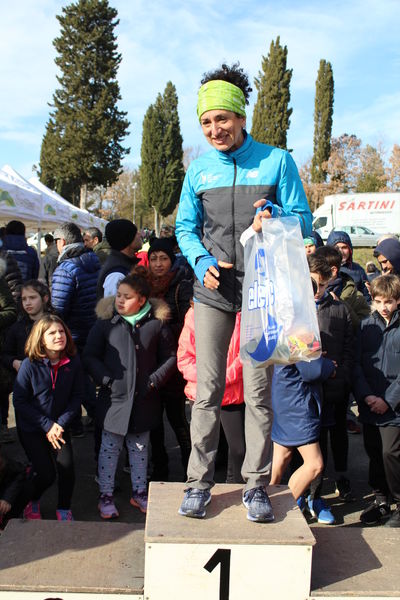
[179,40]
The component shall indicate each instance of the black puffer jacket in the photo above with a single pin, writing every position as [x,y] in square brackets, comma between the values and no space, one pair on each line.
[337,341]
[178,296]
[125,361]
[12,275]
[14,342]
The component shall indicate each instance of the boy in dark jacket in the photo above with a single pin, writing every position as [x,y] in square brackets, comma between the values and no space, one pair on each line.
[377,389]
[337,344]
[341,240]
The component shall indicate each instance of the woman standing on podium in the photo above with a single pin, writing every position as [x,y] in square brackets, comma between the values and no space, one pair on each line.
[220,196]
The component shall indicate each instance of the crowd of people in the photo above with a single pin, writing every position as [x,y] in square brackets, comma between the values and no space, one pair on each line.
[132,330]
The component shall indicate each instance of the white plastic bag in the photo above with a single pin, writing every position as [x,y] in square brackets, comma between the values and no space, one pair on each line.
[279,320]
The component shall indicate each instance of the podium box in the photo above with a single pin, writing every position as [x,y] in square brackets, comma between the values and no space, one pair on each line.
[224,555]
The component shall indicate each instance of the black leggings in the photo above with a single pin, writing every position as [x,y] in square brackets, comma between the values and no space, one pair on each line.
[48,464]
[173,401]
[382,445]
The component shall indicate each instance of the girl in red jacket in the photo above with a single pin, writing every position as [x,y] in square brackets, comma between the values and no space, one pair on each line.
[232,413]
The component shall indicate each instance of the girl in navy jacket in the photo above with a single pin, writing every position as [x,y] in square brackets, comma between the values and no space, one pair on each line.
[48,392]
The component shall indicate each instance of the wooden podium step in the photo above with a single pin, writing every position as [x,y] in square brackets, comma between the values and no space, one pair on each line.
[47,559]
[225,553]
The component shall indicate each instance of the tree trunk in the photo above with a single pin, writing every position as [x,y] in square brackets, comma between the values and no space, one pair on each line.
[157,218]
[83,198]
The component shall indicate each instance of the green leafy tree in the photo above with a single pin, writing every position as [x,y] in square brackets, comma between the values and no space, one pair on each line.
[271,116]
[372,176]
[323,113]
[161,171]
[82,147]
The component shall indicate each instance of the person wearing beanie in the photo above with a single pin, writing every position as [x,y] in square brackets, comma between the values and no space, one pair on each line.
[231,188]
[169,282]
[388,255]
[125,240]
[342,242]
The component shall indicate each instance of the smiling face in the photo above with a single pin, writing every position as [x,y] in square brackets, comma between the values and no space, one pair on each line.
[128,302]
[32,302]
[223,129]
[54,340]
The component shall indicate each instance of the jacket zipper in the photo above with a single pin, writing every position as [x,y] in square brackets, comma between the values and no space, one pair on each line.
[233,229]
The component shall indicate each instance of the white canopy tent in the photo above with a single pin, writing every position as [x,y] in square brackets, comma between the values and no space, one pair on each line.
[37,206]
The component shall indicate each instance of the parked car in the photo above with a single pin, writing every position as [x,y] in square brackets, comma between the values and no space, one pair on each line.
[360,235]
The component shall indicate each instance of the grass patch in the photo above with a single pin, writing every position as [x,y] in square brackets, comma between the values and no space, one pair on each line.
[364,255]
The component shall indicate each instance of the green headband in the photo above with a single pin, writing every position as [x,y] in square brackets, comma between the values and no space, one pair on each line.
[221,94]
[308,241]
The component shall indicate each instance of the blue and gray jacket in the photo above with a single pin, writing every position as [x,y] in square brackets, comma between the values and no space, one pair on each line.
[216,206]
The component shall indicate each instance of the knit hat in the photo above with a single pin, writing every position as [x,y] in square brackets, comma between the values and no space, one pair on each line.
[120,233]
[164,245]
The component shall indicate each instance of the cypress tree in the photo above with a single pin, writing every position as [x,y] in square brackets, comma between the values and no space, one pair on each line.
[161,171]
[82,143]
[271,116]
[323,113]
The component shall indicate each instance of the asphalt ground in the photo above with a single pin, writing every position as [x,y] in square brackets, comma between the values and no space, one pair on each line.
[84,506]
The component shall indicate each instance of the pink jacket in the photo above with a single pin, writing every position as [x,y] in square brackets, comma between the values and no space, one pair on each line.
[186,356]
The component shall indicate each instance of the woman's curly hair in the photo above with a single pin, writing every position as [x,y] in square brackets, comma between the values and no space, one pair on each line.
[233,74]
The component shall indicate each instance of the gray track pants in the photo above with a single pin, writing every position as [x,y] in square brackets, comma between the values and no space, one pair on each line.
[213,331]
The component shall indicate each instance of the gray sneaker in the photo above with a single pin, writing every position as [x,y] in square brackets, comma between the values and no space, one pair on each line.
[258,505]
[195,502]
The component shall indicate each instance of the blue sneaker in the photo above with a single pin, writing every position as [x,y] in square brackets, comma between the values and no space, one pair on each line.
[258,505]
[194,503]
[319,509]
[302,504]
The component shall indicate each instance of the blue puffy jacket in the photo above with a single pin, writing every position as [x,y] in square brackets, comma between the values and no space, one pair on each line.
[73,290]
[26,256]
[216,206]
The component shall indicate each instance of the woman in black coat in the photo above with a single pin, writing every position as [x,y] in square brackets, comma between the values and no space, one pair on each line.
[169,282]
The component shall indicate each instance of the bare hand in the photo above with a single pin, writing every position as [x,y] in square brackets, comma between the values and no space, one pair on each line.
[5,507]
[16,364]
[54,435]
[334,296]
[263,214]
[211,278]
[376,404]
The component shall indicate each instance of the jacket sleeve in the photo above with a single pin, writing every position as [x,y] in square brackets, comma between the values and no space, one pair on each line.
[392,395]
[344,370]
[186,355]
[62,290]
[316,370]
[8,309]
[189,222]
[166,356]
[291,195]
[361,387]
[93,352]
[77,395]
[22,398]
